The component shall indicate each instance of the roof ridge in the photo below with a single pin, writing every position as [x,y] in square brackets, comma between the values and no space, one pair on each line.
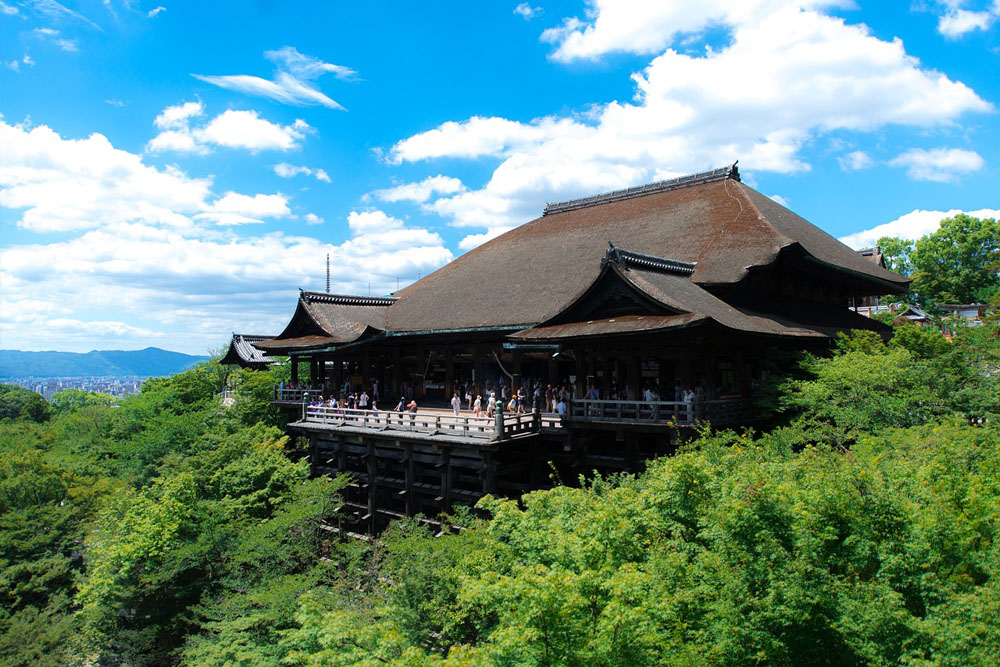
[346,299]
[626,258]
[722,173]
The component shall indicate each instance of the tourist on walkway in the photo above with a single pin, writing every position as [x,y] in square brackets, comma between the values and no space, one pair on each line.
[477,407]
[456,404]
[363,400]
[491,404]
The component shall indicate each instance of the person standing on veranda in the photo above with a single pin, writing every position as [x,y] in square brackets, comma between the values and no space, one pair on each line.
[456,403]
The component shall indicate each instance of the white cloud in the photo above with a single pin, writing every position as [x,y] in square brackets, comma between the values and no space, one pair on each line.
[53,36]
[115,103]
[313,219]
[9,10]
[177,116]
[911,226]
[153,13]
[246,129]
[59,12]
[788,75]
[73,184]
[422,191]
[142,258]
[285,170]
[27,60]
[937,164]
[781,200]
[292,82]
[13,64]
[957,22]
[855,160]
[230,129]
[526,11]
[235,209]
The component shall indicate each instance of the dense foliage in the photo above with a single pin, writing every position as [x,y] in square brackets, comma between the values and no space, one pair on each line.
[958,263]
[178,529]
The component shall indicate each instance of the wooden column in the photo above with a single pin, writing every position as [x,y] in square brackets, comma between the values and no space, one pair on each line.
[366,371]
[516,371]
[581,372]
[608,365]
[410,475]
[489,473]
[372,470]
[449,373]
[446,479]
[477,367]
[397,376]
[295,369]
[634,377]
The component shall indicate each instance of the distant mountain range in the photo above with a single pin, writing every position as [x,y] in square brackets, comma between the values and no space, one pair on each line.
[151,362]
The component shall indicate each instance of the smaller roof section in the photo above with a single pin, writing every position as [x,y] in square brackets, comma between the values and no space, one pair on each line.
[243,352]
[322,320]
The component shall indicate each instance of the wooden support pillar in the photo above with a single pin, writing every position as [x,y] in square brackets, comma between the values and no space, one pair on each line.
[409,466]
[684,371]
[366,371]
[608,364]
[397,376]
[581,372]
[516,371]
[634,377]
[446,480]
[338,377]
[422,367]
[489,473]
[711,373]
[449,373]
[477,370]
[372,469]
[295,369]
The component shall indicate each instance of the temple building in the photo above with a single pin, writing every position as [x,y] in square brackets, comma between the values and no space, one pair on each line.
[626,299]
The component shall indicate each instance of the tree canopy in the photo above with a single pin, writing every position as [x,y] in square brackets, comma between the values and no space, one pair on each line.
[958,263]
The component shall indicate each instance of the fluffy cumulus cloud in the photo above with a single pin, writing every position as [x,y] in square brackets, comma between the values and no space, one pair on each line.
[855,160]
[957,20]
[238,129]
[423,190]
[293,81]
[938,164]
[912,226]
[148,256]
[788,74]
[285,170]
[526,11]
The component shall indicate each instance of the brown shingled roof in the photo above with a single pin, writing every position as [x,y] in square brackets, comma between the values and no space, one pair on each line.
[529,274]
[321,320]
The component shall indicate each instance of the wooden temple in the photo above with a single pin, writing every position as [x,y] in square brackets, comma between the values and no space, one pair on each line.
[628,300]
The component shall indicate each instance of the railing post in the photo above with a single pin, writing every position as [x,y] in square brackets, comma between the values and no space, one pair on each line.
[498,425]
[305,402]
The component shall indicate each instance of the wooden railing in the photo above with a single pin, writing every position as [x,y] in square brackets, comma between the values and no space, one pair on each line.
[462,426]
[292,395]
[725,411]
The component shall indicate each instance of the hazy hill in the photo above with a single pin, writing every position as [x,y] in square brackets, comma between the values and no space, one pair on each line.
[151,361]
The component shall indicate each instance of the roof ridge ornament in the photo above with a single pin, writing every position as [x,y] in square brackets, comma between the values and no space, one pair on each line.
[346,299]
[720,174]
[628,259]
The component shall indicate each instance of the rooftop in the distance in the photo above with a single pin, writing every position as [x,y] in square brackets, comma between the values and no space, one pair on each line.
[722,173]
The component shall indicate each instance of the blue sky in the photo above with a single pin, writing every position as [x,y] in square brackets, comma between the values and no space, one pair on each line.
[173,171]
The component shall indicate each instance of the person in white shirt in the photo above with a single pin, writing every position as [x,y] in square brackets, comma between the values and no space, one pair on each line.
[363,401]
[456,403]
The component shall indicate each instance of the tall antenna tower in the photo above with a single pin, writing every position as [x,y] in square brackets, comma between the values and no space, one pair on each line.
[327,273]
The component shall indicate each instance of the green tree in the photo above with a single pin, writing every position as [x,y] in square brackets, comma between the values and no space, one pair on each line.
[896,252]
[20,403]
[958,263]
